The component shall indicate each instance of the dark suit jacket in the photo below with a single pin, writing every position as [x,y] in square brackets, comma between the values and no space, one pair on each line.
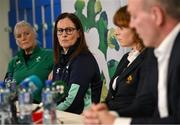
[121,100]
[173,85]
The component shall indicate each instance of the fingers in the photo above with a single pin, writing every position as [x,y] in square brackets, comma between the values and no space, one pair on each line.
[99,107]
[92,121]
[89,114]
[95,114]
[90,117]
[106,118]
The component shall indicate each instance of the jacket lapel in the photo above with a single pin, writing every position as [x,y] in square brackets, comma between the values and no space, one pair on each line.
[173,56]
[133,65]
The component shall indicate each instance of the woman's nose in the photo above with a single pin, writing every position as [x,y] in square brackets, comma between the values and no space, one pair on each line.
[64,34]
[23,37]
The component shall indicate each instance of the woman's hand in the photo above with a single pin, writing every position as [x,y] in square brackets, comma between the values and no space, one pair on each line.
[98,114]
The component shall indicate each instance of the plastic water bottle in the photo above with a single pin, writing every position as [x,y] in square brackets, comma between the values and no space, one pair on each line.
[49,115]
[5,114]
[10,84]
[25,104]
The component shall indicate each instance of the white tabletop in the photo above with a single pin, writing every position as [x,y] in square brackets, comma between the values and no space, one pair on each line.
[65,117]
[69,118]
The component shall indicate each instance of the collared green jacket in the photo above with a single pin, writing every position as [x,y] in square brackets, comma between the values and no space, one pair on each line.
[40,63]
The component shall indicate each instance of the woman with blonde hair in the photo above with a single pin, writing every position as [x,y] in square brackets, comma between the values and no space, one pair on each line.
[31,59]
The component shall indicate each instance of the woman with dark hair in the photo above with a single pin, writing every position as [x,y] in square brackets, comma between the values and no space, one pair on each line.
[75,66]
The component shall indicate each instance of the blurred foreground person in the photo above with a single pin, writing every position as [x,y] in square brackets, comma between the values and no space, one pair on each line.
[157,23]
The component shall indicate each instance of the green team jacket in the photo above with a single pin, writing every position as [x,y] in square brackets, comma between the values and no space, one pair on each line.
[40,64]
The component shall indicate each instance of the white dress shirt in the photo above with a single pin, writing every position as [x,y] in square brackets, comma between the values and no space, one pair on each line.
[163,53]
[133,54]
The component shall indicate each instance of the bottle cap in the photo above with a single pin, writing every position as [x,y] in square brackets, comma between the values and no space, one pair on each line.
[24,84]
[48,83]
[2,85]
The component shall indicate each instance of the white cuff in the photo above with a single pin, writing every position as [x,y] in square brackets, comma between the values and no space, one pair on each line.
[122,121]
[114,113]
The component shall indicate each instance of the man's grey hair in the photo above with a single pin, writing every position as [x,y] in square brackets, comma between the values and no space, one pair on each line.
[172,7]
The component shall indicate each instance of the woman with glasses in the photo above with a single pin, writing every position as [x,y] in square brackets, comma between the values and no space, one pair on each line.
[31,59]
[75,67]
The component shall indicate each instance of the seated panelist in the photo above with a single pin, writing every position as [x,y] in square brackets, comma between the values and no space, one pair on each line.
[31,59]
[126,81]
[75,66]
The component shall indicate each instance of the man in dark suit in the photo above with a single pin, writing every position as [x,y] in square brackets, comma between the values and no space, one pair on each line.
[157,23]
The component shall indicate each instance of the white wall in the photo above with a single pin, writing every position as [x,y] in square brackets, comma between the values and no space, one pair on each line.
[5,52]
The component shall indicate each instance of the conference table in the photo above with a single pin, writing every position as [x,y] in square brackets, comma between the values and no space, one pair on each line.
[64,117]
[69,118]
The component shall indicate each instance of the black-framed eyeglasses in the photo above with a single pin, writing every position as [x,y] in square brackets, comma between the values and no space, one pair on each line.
[68,30]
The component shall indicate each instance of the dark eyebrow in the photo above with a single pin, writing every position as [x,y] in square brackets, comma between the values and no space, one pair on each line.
[67,28]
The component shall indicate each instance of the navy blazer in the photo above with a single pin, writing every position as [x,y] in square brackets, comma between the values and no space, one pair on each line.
[84,72]
[128,82]
[173,85]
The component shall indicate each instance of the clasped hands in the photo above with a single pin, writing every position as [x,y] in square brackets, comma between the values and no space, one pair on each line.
[98,114]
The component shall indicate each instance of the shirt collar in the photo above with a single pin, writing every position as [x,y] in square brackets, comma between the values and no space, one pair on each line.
[166,46]
[132,55]
[21,53]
